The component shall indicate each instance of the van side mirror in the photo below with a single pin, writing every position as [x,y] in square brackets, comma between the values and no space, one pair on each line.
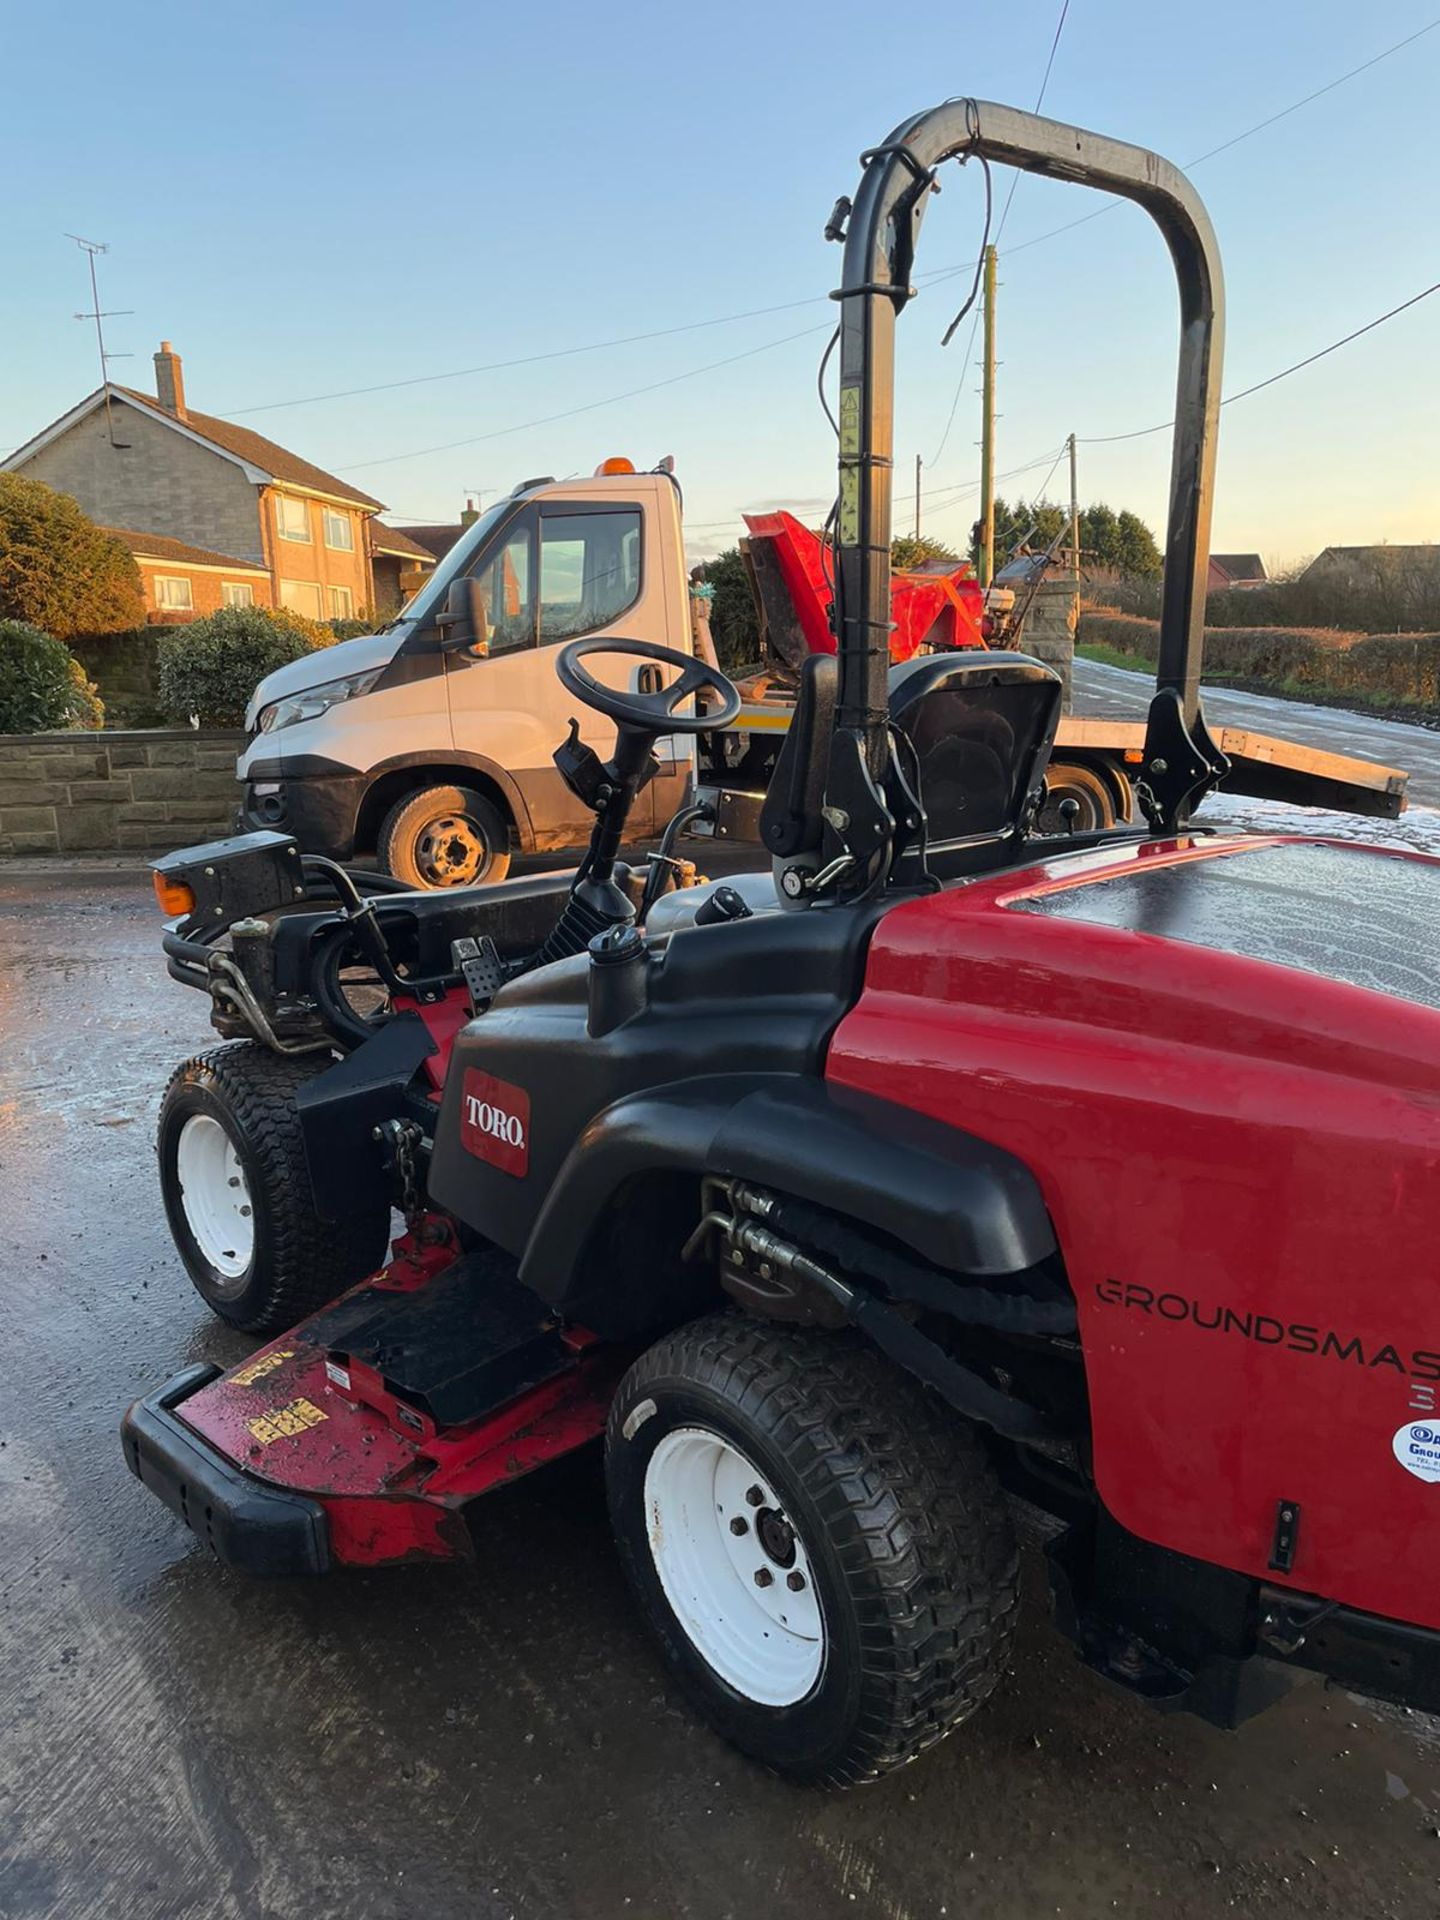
[463,623]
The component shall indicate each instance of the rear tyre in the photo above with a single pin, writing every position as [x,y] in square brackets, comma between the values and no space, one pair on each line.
[1090,791]
[237,1192]
[820,1548]
[445,837]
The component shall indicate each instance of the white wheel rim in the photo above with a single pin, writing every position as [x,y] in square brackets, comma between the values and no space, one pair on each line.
[215,1195]
[764,1637]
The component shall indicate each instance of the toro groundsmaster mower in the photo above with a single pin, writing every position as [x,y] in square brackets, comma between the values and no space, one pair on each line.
[947,1162]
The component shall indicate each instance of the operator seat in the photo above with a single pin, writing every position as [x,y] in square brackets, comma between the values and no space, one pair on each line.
[981,726]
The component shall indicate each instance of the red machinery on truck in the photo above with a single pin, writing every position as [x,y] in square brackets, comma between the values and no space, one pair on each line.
[953,1162]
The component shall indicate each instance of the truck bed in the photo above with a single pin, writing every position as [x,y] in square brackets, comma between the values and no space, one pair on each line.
[1262,766]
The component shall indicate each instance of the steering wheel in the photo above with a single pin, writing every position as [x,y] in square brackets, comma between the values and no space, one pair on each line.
[652,713]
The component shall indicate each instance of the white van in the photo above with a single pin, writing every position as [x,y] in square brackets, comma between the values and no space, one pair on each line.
[429,743]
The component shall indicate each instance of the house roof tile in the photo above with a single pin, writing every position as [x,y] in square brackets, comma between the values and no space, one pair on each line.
[387,539]
[286,467]
[159,546]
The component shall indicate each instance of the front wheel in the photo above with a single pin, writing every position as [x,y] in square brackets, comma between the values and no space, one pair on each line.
[237,1193]
[445,837]
[821,1549]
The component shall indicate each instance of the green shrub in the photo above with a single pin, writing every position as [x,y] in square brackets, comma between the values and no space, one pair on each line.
[352,629]
[58,570]
[1405,666]
[211,667]
[1120,632]
[42,684]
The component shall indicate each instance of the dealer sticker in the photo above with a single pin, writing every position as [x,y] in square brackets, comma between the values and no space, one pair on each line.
[1417,1448]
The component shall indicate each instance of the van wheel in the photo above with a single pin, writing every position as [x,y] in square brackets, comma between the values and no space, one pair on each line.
[821,1549]
[237,1192]
[1089,790]
[445,837]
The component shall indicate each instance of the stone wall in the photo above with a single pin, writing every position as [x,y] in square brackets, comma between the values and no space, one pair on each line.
[1049,633]
[143,792]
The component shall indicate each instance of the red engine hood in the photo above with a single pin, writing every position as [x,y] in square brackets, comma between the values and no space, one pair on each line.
[1238,1137]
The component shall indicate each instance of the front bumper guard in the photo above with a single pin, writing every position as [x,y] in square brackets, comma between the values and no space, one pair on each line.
[257,1529]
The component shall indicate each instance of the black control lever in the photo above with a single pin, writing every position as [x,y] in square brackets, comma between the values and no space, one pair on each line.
[724,904]
[581,768]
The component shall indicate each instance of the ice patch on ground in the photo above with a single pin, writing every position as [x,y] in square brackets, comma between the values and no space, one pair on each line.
[1418,828]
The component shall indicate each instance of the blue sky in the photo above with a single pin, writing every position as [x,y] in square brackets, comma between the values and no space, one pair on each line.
[312,197]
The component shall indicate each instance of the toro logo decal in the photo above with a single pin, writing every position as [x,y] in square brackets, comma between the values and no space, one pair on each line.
[495,1122]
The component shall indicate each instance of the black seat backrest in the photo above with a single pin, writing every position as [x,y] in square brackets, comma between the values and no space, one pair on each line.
[982,725]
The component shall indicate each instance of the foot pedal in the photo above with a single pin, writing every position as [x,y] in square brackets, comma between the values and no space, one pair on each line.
[483,970]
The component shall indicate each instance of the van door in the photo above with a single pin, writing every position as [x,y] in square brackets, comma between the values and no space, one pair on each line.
[563,568]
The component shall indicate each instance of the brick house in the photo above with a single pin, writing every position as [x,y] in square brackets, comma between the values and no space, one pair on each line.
[398,564]
[183,583]
[260,515]
[1235,570]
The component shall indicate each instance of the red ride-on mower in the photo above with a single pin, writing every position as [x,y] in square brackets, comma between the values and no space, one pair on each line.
[956,1163]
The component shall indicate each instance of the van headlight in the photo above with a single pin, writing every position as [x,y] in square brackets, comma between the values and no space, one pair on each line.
[314,701]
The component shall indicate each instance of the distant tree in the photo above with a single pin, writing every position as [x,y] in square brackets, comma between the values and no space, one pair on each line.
[734,623]
[908,551]
[1120,543]
[1137,557]
[58,570]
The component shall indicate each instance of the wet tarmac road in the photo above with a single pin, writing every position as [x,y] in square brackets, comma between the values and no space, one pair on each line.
[1116,693]
[457,1745]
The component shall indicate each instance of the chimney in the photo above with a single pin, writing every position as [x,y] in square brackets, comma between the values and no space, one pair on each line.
[470,515]
[170,380]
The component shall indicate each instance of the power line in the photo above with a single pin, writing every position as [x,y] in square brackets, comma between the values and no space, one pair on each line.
[1109,439]
[1110,206]
[526,360]
[569,413]
[1004,216]
[789,306]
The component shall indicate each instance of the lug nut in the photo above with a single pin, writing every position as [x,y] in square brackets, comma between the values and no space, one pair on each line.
[755,1496]
[739,1524]
[795,1582]
[763,1577]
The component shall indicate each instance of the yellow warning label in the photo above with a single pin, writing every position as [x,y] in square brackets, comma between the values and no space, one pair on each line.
[257,1369]
[277,1422]
[849,419]
[849,506]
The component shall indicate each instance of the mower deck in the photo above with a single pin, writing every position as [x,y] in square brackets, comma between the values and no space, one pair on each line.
[357,1437]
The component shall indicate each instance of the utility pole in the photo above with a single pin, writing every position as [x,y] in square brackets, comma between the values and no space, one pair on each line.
[917,496]
[1074,517]
[987,431]
[91,248]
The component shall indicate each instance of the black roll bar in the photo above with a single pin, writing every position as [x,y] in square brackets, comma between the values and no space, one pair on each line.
[884,224]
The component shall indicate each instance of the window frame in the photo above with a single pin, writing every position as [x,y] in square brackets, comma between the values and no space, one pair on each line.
[319,591]
[283,500]
[162,605]
[229,587]
[573,510]
[347,612]
[327,514]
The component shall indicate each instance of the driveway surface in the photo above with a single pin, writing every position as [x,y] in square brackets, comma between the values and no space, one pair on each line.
[462,1744]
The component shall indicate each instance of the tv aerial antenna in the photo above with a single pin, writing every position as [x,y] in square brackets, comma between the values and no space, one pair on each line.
[99,315]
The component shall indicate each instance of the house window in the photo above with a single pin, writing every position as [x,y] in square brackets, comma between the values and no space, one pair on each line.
[301,596]
[339,532]
[236,593]
[342,603]
[292,516]
[172,594]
